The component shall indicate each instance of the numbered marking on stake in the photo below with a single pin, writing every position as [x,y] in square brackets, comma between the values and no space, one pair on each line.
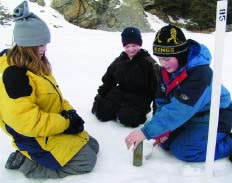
[222,15]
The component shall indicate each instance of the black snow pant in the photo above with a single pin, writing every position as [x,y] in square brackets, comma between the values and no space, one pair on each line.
[114,106]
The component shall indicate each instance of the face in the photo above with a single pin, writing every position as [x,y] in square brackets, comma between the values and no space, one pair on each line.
[131,50]
[169,63]
[41,50]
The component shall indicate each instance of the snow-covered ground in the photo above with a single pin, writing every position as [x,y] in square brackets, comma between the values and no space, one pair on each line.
[79,58]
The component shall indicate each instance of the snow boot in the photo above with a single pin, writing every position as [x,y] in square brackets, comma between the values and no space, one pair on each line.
[15,160]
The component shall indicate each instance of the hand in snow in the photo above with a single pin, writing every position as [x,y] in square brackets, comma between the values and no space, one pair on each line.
[134,138]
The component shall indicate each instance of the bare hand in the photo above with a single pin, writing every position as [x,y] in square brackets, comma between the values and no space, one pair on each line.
[134,138]
[160,140]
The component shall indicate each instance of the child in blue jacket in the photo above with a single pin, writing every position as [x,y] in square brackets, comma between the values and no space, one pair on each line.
[181,121]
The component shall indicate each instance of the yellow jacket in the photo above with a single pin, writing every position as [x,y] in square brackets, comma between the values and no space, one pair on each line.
[30,114]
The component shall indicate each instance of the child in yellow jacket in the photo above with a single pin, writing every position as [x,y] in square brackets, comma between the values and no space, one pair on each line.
[46,131]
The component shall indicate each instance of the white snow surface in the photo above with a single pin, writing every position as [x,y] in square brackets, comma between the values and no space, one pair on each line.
[79,58]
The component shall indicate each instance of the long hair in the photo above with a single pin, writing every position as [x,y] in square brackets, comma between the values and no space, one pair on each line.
[29,58]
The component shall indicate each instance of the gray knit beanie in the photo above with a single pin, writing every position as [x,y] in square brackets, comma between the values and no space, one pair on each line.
[29,29]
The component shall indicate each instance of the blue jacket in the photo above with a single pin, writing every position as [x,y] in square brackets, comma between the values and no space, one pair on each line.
[190,100]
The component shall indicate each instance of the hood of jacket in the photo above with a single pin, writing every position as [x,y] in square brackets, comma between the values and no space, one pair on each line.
[199,54]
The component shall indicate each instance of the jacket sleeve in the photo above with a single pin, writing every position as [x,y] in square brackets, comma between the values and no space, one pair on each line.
[21,111]
[108,81]
[154,76]
[154,71]
[66,105]
[188,99]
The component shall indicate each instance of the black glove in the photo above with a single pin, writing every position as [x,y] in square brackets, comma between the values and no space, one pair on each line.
[76,122]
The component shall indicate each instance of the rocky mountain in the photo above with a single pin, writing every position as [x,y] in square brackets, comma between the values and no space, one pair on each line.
[114,15]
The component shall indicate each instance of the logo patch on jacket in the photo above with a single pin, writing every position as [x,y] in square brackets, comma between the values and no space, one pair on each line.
[183,96]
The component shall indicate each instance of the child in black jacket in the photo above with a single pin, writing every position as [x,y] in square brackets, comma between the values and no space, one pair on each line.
[129,84]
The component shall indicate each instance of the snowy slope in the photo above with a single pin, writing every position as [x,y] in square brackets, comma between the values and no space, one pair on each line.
[79,58]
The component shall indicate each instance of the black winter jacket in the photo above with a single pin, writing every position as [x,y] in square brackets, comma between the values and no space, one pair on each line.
[137,78]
